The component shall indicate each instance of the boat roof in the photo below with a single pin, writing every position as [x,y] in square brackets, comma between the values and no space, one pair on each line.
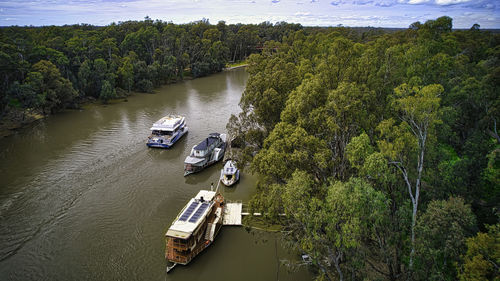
[191,215]
[212,138]
[168,123]
[230,168]
[193,160]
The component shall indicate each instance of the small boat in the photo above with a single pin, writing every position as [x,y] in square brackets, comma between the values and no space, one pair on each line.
[166,131]
[230,174]
[194,228]
[204,154]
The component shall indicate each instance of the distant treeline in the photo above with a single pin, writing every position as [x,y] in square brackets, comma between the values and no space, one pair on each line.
[46,69]
[383,151]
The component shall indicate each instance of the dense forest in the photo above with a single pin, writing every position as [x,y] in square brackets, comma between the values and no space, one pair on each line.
[380,146]
[47,69]
[379,156]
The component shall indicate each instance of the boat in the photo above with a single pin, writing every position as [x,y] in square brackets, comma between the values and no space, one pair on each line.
[204,154]
[230,174]
[166,131]
[194,228]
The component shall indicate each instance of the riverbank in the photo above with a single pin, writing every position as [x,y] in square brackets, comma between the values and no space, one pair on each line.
[235,67]
[14,120]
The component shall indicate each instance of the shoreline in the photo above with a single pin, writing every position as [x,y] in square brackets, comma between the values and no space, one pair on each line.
[234,67]
[13,121]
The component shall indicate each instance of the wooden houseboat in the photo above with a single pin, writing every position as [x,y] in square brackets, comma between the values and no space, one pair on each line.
[195,228]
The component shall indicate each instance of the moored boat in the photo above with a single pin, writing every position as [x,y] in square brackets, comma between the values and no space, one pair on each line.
[207,152]
[166,131]
[194,228]
[230,174]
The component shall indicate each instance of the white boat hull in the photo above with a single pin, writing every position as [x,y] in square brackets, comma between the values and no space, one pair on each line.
[230,174]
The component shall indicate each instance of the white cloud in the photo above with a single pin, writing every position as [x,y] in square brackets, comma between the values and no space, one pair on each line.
[436,2]
[451,2]
[413,2]
[310,12]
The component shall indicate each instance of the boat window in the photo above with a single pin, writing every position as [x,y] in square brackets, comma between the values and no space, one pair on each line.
[162,133]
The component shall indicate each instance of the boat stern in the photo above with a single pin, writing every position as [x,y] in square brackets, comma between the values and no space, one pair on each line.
[159,142]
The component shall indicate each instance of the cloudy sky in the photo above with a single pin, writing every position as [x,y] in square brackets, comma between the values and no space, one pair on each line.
[379,13]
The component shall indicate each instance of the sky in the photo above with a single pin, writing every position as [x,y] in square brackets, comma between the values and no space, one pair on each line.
[376,13]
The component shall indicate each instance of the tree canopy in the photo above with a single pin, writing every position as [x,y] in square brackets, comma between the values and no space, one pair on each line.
[102,62]
[377,154]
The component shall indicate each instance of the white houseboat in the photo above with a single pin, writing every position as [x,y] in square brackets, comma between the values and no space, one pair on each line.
[166,131]
[207,152]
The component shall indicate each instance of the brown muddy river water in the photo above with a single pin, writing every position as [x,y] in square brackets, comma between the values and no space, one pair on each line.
[83,198]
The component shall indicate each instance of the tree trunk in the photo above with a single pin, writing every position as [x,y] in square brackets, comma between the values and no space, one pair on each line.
[337,267]
[413,222]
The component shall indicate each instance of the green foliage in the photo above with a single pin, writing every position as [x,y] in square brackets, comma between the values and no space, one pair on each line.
[288,148]
[442,232]
[492,171]
[482,260]
[358,149]
[107,91]
[332,221]
[47,82]
[132,55]
[412,113]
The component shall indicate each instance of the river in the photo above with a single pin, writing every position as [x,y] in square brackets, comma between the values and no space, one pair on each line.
[83,198]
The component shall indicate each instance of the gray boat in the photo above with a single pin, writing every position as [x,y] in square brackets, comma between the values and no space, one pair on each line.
[204,154]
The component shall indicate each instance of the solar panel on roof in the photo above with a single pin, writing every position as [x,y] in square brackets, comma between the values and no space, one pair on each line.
[189,211]
[207,142]
[198,212]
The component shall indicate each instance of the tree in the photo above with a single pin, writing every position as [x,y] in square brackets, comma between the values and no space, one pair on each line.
[482,260]
[25,95]
[383,251]
[287,148]
[107,91]
[418,108]
[58,92]
[126,74]
[443,230]
[329,224]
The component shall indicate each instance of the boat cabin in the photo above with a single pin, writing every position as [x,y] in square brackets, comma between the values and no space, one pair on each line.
[206,146]
[168,125]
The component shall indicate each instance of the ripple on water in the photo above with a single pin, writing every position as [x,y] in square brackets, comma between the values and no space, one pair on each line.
[58,187]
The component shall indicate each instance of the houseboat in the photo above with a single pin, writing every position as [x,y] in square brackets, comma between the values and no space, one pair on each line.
[194,228]
[230,174]
[166,131]
[207,152]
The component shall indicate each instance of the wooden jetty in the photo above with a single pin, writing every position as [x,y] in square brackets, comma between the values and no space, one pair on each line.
[232,213]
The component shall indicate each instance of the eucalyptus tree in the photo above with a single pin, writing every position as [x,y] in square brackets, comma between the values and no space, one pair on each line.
[404,144]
